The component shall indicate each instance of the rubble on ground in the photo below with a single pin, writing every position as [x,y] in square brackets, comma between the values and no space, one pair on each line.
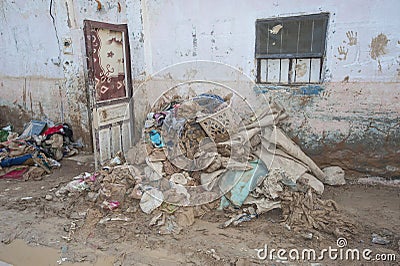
[197,154]
[334,176]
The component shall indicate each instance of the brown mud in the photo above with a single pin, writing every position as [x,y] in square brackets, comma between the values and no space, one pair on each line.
[36,231]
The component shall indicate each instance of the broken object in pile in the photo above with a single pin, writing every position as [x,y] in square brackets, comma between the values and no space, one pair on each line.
[198,151]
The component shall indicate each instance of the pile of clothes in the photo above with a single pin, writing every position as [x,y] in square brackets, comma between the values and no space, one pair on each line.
[36,151]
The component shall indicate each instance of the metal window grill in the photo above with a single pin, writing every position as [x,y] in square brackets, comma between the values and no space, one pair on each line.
[291,49]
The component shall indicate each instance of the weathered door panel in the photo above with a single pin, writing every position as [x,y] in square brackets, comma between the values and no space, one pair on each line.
[110,88]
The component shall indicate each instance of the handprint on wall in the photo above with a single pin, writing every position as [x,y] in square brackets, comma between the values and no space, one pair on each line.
[343,51]
[352,36]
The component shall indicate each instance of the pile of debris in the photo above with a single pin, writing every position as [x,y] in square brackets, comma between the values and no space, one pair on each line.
[36,151]
[198,154]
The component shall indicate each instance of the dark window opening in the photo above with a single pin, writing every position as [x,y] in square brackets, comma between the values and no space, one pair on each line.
[290,50]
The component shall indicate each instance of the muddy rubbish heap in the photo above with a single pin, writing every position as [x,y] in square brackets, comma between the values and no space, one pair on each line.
[197,154]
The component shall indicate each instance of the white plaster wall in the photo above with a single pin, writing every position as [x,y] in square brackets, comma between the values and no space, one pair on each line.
[224,31]
[38,76]
[27,40]
[358,101]
[352,121]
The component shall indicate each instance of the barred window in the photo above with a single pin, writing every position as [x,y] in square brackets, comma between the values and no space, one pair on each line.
[290,50]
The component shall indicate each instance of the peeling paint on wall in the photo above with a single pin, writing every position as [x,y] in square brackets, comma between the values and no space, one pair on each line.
[194,37]
[309,90]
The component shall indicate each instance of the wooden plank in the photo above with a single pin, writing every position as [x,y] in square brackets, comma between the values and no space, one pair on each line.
[126,136]
[104,144]
[115,139]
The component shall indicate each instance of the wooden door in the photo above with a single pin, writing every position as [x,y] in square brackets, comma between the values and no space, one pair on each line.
[110,88]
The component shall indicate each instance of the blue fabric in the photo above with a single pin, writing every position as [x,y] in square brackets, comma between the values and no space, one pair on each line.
[6,162]
[155,138]
[238,184]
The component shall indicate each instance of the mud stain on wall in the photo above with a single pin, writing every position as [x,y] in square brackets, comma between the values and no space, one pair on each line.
[41,110]
[24,94]
[301,69]
[15,116]
[352,37]
[68,19]
[378,46]
[30,98]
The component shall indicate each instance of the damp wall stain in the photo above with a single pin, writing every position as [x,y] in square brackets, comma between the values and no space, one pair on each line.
[344,124]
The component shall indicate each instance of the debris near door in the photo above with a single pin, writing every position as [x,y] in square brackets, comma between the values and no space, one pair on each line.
[307,210]
[35,151]
[199,154]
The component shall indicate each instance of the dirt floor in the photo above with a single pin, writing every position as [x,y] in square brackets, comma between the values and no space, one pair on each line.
[39,231]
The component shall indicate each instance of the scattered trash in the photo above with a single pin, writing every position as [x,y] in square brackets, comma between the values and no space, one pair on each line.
[213,254]
[151,199]
[35,147]
[179,178]
[15,173]
[170,227]
[48,197]
[380,240]
[71,231]
[150,121]
[197,150]
[238,184]
[53,163]
[5,132]
[334,176]
[308,211]
[376,180]
[117,160]
[110,205]
[240,218]
[61,260]
[287,227]
[308,236]
[107,219]
[155,138]
[157,220]
[26,198]
[185,217]
[76,185]
[34,127]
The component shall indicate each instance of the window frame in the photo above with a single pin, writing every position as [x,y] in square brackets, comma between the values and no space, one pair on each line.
[291,56]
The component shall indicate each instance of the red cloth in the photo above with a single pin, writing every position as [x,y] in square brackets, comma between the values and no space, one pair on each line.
[15,174]
[55,129]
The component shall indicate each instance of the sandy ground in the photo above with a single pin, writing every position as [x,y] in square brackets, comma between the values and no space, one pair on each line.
[35,231]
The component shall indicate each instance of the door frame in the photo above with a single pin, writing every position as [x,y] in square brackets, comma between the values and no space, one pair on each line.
[91,90]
